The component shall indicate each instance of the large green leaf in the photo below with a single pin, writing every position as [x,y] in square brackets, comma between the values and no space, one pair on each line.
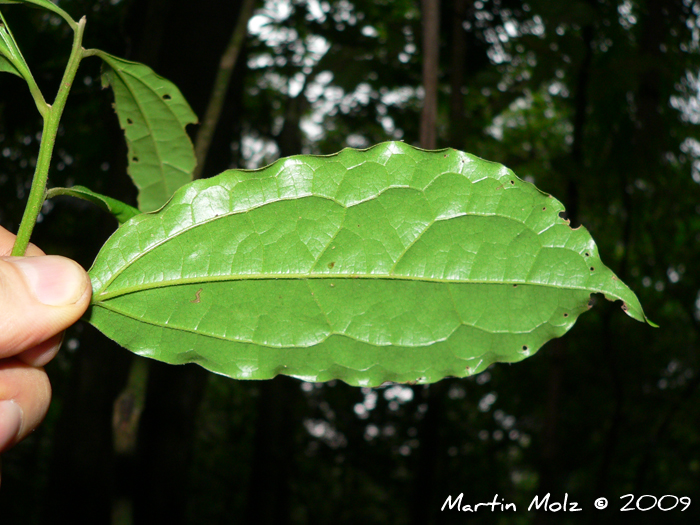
[153,114]
[390,264]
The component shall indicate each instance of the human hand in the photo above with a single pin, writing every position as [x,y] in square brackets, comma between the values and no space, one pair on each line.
[40,296]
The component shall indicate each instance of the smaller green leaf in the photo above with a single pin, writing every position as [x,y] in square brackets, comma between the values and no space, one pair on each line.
[153,114]
[11,59]
[121,211]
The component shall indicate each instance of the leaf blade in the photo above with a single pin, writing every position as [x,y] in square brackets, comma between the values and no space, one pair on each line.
[11,59]
[153,114]
[390,264]
[7,67]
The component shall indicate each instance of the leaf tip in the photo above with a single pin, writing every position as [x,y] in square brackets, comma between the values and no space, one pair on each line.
[638,314]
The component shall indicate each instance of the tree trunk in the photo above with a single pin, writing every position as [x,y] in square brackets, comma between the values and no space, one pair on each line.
[269,493]
[431,51]
[427,476]
[82,477]
[457,67]
[165,443]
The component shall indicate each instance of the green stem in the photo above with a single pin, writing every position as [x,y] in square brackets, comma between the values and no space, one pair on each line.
[36,93]
[38,97]
[37,193]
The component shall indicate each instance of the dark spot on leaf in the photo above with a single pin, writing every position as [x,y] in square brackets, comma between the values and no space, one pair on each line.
[515,286]
[592,269]
[544,209]
[197,298]
[445,156]
[566,315]
[331,265]
[134,159]
[129,121]
[166,97]
[588,254]
[524,348]
[512,182]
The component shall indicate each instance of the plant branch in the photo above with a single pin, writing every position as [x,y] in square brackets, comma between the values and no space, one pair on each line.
[431,59]
[221,84]
[37,95]
[52,118]
[91,52]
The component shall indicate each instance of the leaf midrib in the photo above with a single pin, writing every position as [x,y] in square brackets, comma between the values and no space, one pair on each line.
[105,296]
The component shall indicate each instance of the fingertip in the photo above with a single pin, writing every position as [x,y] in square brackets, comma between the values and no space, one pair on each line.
[10,423]
[30,390]
[54,280]
[43,353]
[41,297]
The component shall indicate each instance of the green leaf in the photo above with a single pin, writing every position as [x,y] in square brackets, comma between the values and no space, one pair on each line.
[11,59]
[153,114]
[389,264]
[121,211]
[7,67]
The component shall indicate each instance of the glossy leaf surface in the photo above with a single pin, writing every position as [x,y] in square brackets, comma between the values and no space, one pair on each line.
[389,264]
[153,114]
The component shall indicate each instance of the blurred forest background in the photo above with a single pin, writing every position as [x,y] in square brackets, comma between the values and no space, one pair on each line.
[595,101]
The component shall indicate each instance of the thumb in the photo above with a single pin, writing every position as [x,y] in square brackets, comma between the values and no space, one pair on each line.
[39,297]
